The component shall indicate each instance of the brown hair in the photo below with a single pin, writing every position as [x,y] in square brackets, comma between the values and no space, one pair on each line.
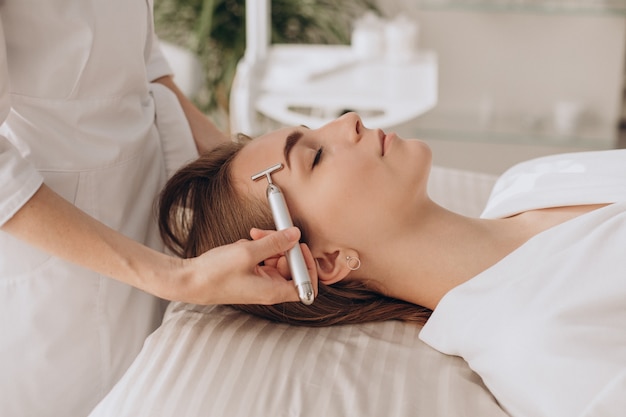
[199,209]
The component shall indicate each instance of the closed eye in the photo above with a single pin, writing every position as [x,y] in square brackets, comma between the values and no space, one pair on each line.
[318,157]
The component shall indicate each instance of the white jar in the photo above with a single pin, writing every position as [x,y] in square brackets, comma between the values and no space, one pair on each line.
[368,38]
[401,36]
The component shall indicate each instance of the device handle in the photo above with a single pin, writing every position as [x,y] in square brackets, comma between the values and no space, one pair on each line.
[295,258]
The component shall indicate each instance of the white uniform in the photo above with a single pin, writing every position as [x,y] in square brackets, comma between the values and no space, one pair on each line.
[546,326]
[78,112]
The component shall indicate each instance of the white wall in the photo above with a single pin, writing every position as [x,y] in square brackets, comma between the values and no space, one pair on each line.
[510,69]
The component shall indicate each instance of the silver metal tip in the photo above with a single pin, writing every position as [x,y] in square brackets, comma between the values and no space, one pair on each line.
[306,294]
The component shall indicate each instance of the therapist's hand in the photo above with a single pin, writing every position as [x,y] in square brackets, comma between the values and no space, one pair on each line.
[228,274]
[233,274]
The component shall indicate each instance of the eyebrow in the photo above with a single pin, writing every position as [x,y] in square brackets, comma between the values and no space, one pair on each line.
[291,141]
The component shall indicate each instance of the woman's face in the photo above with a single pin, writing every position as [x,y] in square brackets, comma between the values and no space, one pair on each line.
[347,184]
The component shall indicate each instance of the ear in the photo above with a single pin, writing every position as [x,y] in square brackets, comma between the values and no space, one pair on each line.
[332,267]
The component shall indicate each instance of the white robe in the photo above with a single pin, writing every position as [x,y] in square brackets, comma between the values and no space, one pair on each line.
[546,326]
[78,112]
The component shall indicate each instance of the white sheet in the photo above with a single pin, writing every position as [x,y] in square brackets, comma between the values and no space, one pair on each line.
[215,361]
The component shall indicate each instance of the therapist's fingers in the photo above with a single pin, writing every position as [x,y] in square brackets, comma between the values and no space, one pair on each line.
[257,234]
[277,261]
[270,243]
[239,274]
[280,262]
[280,275]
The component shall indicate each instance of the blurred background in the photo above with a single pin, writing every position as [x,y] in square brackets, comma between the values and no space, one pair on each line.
[486,82]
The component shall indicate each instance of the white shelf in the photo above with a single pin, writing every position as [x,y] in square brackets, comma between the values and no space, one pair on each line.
[313,84]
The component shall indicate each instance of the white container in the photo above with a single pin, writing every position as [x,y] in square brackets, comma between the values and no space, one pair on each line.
[368,37]
[567,116]
[401,39]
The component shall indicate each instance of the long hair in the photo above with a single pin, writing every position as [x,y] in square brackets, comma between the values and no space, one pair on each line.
[200,209]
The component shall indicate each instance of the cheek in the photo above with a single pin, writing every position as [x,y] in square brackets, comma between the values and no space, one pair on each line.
[336,211]
[349,187]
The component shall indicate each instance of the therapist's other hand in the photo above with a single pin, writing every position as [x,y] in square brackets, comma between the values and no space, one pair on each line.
[205,134]
[233,274]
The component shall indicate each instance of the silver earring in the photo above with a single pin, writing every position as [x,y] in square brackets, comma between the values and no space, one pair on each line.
[354,263]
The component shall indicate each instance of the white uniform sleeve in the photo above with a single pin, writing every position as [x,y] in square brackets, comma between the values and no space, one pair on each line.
[19,179]
[157,66]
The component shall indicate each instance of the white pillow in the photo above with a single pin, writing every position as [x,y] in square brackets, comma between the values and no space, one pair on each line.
[216,361]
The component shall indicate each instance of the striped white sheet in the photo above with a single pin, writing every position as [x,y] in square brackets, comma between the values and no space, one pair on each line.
[215,361]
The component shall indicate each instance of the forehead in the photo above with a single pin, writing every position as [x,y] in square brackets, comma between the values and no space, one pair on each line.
[262,152]
[258,155]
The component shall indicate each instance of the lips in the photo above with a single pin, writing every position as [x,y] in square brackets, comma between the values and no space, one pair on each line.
[383,139]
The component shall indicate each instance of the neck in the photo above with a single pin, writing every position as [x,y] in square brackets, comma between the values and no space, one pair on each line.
[439,251]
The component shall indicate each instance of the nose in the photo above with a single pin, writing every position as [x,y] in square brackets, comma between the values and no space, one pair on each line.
[351,126]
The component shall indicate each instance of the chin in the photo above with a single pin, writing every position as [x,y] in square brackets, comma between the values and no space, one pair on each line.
[423,153]
[422,159]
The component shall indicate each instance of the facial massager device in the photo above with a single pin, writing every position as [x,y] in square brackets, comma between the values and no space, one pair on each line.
[282,219]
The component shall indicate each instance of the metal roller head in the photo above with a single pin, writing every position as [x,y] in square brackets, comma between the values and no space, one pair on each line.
[267,173]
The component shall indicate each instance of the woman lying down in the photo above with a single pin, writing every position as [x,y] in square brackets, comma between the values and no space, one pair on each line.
[532,294]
